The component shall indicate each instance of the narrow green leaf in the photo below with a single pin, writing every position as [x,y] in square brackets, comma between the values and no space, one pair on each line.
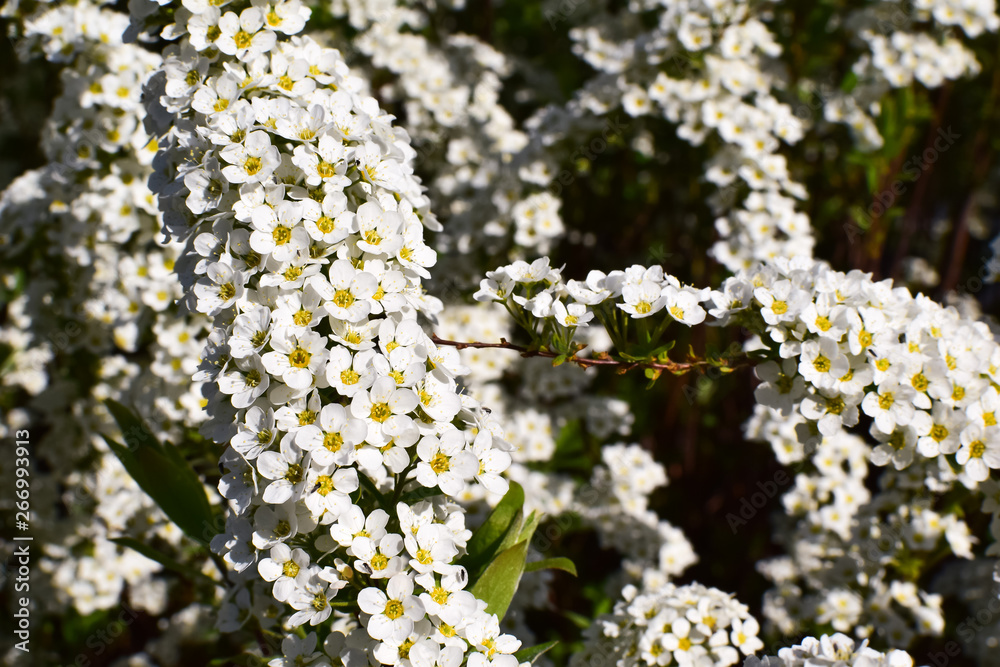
[532,653]
[529,526]
[564,564]
[164,475]
[370,488]
[579,620]
[163,559]
[487,540]
[500,579]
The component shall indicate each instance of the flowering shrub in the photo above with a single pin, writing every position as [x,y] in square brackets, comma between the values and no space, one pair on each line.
[403,333]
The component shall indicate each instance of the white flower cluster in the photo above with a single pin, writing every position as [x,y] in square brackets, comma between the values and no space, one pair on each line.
[895,55]
[925,378]
[539,300]
[704,67]
[550,403]
[94,318]
[305,243]
[663,624]
[837,650]
[848,346]
[852,553]
[450,90]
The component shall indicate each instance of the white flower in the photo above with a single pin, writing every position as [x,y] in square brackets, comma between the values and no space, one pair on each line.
[445,462]
[296,358]
[382,403]
[346,295]
[392,612]
[890,405]
[643,299]
[283,567]
[246,383]
[252,161]
[980,451]
[821,362]
[312,600]
[379,229]
[287,470]
[333,440]
[277,231]
[300,652]
[256,433]
[242,35]
[251,331]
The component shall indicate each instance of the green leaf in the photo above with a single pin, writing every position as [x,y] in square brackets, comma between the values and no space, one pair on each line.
[163,559]
[532,653]
[492,537]
[560,360]
[529,526]
[579,620]
[560,563]
[371,488]
[164,475]
[499,581]
[570,439]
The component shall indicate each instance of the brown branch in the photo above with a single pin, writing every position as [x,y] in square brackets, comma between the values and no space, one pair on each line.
[601,359]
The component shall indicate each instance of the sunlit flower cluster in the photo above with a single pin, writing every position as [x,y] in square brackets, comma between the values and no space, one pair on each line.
[665,624]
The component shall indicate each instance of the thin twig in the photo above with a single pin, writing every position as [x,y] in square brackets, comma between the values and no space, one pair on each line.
[601,359]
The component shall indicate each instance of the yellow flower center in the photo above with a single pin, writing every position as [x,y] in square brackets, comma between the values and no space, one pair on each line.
[380,412]
[252,166]
[440,463]
[294,474]
[299,358]
[281,235]
[325,224]
[242,39]
[343,298]
[324,485]
[977,448]
[821,364]
[440,595]
[326,169]
[333,441]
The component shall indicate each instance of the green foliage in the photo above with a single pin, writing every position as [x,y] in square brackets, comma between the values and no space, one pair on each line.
[533,653]
[164,475]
